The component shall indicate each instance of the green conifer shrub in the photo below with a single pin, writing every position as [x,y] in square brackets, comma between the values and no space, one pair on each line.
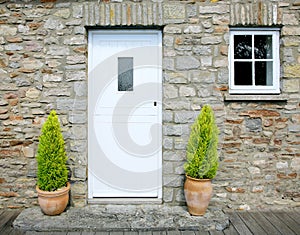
[202,148]
[52,171]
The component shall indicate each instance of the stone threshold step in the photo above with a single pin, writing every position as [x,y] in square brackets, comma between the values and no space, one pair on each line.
[122,218]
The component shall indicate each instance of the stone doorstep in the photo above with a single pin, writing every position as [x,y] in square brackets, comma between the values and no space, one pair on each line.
[122,218]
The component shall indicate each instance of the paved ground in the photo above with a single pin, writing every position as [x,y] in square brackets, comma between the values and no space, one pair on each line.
[247,222]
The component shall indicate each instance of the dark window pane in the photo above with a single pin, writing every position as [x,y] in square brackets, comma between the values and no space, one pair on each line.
[243,73]
[263,46]
[125,73]
[263,73]
[242,46]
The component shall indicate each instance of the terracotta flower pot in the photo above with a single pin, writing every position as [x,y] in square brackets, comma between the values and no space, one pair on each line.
[54,203]
[198,193]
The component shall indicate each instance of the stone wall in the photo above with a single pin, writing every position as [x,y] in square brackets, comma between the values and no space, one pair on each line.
[43,64]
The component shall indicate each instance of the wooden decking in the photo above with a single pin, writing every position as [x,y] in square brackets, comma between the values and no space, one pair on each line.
[255,222]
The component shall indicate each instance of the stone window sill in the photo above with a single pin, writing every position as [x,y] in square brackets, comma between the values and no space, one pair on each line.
[228,97]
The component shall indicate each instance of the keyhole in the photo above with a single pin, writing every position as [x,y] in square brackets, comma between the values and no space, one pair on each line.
[154,103]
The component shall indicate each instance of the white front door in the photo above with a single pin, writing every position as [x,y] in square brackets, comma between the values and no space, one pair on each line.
[125,82]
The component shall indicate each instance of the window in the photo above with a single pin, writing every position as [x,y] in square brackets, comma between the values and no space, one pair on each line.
[254,61]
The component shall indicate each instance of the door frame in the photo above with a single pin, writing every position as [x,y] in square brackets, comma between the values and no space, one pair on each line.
[133,200]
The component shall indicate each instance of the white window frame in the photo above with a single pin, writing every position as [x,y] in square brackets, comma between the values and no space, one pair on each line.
[255,89]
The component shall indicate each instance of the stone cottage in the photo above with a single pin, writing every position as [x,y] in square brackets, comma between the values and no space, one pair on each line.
[128,78]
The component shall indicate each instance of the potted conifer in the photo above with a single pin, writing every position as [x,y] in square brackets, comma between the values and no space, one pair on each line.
[52,183]
[202,161]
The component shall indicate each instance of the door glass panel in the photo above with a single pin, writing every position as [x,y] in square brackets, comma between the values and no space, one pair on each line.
[242,46]
[242,73]
[125,74]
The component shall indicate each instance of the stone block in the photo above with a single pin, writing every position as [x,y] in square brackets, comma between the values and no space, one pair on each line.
[220,62]
[175,104]
[174,155]
[176,77]
[282,165]
[77,117]
[52,78]
[192,29]
[187,62]
[185,116]
[291,31]
[169,52]
[71,104]
[78,188]
[291,85]
[33,93]
[291,71]
[167,116]
[217,9]
[168,143]
[7,30]
[211,40]
[202,50]
[173,181]
[63,91]
[76,59]
[80,172]
[53,23]
[172,29]
[170,91]
[179,195]
[179,168]
[221,19]
[168,40]
[36,12]
[78,132]
[79,29]
[206,61]
[13,47]
[254,170]
[168,63]
[78,145]
[32,64]
[75,76]
[294,128]
[55,50]
[63,13]
[187,91]
[172,130]
[75,41]
[260,113]
[168,194]
[180,143]
[202,76]
[205,92]
[295,164]
[33,46]
[80,89]
[167,167]
[77,11]
[174,13]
